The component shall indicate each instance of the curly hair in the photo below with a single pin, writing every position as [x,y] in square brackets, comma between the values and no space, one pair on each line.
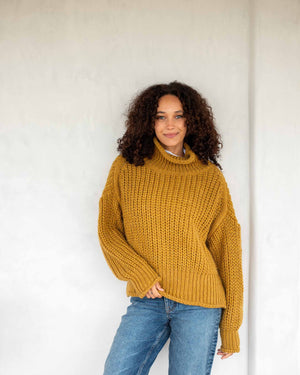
[201,135]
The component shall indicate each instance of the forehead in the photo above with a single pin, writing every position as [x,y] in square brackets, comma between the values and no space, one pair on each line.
[169,102]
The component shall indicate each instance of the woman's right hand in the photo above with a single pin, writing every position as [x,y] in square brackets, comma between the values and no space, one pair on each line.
[153,292]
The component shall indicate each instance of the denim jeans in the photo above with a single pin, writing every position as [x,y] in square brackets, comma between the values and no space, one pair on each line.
[147,325]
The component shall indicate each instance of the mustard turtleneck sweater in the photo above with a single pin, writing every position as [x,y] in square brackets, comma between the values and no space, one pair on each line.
[172,220]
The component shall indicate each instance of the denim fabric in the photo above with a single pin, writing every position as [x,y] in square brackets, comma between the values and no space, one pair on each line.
[147,325]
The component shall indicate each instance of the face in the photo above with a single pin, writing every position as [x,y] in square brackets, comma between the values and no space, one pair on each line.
[170,125]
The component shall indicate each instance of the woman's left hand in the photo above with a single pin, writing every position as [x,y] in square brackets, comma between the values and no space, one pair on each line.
[223,354]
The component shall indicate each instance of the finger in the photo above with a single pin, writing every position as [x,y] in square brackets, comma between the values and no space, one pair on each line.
[222,354]
[226,355]
[155,292]
[149,293]
[152,292]
[158,286]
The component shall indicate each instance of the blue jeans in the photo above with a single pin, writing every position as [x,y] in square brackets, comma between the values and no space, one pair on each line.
[147,325]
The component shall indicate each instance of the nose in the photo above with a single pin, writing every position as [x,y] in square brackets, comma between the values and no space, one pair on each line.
[170,124]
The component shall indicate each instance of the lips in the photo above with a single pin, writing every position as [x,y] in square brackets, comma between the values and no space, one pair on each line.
[171,135]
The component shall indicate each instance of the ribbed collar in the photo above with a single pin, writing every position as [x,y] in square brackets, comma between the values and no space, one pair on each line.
[165,162]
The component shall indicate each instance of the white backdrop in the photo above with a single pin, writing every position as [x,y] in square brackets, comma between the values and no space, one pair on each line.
[67,72]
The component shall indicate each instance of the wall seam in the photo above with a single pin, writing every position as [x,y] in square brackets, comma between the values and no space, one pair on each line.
[251,130]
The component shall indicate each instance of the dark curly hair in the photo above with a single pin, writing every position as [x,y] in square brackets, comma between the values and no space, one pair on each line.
[201,135]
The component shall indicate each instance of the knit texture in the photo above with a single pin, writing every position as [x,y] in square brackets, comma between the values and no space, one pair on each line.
[172,220]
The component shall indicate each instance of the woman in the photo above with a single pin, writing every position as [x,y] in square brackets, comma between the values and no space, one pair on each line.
[167,226]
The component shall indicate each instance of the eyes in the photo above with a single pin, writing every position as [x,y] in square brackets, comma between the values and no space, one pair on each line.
[161,117]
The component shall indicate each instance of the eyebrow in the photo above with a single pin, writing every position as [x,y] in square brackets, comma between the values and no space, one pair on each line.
[165,112]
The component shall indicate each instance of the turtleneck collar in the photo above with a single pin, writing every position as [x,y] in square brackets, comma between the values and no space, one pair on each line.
[188,158]
[165,162]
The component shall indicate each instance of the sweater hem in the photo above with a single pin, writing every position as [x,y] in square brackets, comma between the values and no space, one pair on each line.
[206,289]
[182,300]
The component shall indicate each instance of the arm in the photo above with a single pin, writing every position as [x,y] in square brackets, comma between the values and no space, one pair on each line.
[225,245]
[124,261]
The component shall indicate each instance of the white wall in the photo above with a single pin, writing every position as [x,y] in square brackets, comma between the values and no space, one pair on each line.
[274,311]
[68,70]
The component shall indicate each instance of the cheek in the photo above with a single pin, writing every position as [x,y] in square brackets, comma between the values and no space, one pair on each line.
[158,126]
[183,124]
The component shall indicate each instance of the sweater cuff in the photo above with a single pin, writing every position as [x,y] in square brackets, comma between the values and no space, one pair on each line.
[143,279]
[230,341]
[143,293]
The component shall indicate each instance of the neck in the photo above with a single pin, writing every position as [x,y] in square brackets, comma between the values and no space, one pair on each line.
[177,149]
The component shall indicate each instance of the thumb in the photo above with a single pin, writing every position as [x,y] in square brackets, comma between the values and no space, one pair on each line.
[159,287]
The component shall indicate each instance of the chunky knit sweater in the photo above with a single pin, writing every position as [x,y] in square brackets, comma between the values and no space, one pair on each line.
[172,220]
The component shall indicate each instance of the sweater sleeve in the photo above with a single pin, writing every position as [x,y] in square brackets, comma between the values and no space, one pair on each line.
[225,245]
[125,263]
